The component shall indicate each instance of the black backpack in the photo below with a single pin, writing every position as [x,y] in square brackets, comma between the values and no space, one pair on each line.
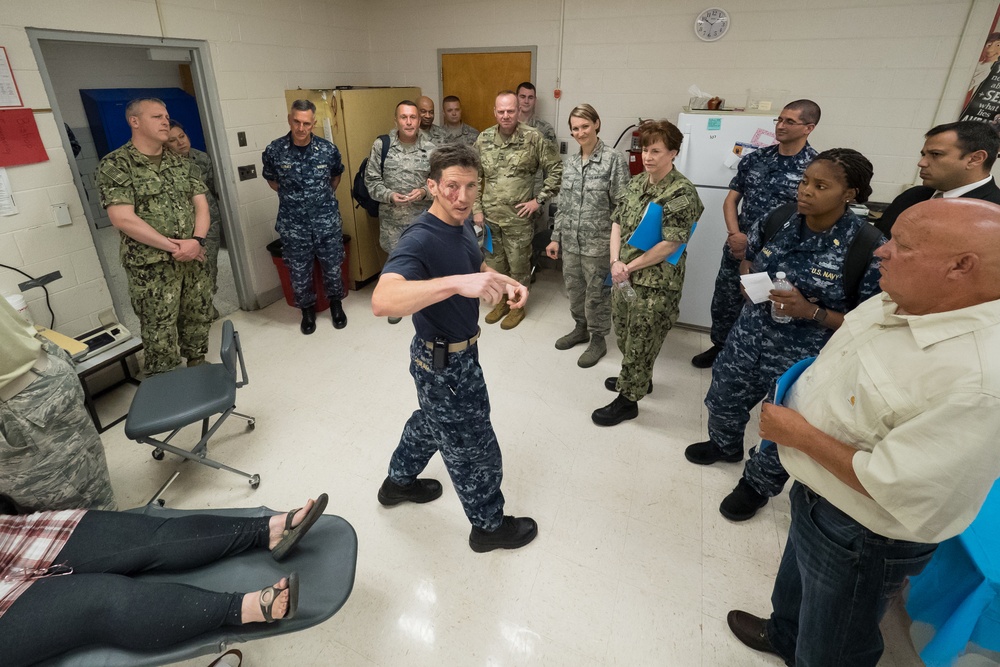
[859,255]
[359,191]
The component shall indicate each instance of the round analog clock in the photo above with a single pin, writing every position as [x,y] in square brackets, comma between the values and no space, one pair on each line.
[711,24]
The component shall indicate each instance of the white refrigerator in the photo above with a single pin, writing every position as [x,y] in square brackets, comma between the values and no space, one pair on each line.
[708,159]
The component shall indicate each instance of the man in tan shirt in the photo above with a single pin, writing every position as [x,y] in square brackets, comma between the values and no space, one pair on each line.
[890,436]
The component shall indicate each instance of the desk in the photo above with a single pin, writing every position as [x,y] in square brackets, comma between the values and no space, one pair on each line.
[84,369]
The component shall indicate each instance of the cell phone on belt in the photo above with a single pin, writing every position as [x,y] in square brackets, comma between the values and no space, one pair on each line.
[440,353]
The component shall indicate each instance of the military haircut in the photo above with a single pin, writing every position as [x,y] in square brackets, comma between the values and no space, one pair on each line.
[303,105]
[132,110]
[586,112]
[973,135]
[857,170]
[527,85]
[651,131]
[405,103]
[452,155]
[507,92]
[808,110]
[450,98]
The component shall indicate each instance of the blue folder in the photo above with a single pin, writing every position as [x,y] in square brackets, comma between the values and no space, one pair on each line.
[487,238]
[650,232]
[784,385]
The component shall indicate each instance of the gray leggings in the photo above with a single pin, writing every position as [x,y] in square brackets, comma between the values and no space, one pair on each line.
[99,603]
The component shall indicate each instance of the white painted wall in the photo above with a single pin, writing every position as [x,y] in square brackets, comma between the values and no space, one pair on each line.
[883,70]
[878,68]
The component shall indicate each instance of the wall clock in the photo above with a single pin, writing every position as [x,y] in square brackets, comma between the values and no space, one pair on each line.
[711,24]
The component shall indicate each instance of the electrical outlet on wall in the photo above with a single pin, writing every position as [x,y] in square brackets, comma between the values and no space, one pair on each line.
[562,148]
[247,172]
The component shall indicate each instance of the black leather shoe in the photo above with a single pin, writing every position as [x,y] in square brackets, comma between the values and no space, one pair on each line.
[742,503]
[337,313]
[421,491]
[616,412]
[706,453]
[308,324]
[611,384]
[513,533]
[706,358]
[750,630]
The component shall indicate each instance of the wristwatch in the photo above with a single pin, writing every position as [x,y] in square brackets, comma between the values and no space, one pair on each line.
[200,240]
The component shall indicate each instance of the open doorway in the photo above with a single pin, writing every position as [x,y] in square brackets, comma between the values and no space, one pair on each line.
[69,63]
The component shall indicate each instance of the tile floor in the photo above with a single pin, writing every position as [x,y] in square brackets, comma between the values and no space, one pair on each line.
[633,564]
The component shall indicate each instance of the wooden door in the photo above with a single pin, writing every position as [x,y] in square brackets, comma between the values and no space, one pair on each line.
[476,78]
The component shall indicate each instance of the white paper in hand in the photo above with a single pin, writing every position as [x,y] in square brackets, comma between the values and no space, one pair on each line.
[758,286]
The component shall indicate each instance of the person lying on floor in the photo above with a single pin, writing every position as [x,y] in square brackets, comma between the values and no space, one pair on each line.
[66,578]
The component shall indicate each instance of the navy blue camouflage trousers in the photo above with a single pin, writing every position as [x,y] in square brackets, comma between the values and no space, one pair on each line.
[727,302]
[741,378]
[454,419]
[300,245]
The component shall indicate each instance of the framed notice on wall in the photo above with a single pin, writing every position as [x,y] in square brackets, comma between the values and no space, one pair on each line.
[9,94]
[982,102]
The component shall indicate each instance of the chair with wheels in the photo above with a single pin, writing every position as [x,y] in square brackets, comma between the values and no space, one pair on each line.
[170,401]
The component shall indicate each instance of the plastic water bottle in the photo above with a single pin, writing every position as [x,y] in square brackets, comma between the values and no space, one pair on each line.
[780,283]
[626,290]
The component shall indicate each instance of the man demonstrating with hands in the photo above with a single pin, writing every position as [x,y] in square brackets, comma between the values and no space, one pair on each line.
[436,274]
[156,199]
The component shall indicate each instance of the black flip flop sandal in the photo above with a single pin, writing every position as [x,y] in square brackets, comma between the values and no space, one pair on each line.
[270,594]
[291,536]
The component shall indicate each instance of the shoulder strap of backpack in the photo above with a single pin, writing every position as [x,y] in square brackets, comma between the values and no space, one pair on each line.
[385,151]
[774,221]
[859,256]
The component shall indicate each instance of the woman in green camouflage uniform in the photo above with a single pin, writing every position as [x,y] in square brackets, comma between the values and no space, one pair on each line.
[593,183]
[642,322]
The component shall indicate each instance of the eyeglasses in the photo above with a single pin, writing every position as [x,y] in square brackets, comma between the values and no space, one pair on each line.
[786,121]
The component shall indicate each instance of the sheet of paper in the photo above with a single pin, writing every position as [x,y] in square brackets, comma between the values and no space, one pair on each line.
[9,96]
[758,286]
[20,142]
[7,206]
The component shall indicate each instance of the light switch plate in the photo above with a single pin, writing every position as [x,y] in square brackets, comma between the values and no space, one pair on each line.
[60,215]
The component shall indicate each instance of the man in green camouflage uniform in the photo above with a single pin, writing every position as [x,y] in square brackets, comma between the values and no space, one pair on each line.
[157,201]
[425,107]
[511,153]
[401,183]
[180,143]
[51,457]
[453,130]
[526,101]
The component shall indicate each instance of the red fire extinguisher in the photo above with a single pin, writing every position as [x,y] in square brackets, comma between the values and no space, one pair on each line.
[635,165]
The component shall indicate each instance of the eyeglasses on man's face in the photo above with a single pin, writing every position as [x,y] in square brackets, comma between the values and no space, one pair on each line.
[788,121]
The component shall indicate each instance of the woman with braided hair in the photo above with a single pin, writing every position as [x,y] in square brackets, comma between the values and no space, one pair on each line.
[812,244]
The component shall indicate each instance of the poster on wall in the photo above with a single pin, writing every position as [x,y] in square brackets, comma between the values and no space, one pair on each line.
[982,102]
[20,142]
[9,95]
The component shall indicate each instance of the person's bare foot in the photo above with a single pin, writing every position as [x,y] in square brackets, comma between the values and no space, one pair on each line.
[276,525]
[251,611]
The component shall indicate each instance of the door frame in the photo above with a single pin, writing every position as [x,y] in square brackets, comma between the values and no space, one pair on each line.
[210,110]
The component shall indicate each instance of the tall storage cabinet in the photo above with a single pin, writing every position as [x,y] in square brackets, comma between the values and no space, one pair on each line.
[352,119]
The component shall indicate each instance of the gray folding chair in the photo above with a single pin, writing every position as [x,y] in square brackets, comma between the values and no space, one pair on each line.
[170,401]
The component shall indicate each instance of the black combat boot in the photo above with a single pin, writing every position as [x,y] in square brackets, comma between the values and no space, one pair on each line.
[337,313]
[308,324]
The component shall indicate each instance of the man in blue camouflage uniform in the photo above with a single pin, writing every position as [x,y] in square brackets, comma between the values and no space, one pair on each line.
[437,275]
[305,170]
[765,179]
[156,200]
[759,349]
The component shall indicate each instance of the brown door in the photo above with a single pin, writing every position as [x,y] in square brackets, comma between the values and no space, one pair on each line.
[476,78]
